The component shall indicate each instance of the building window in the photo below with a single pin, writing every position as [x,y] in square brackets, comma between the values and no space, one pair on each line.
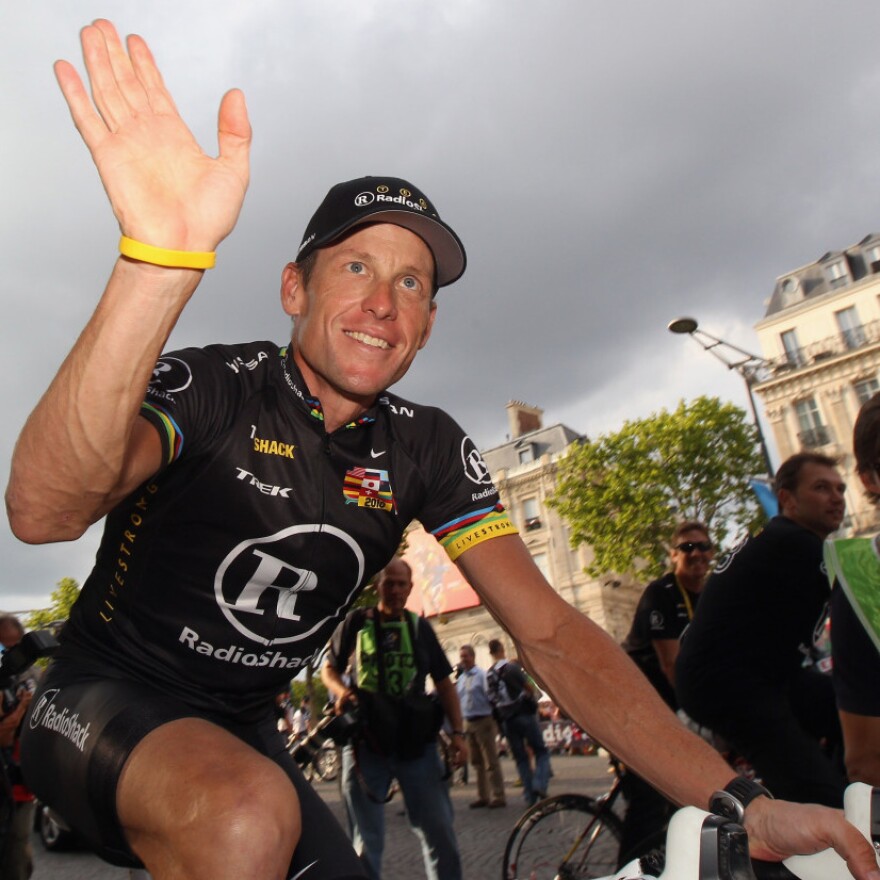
[791,291]
[543,565]
[812,432]
[526,453]
[838,275]
[850,328]
[872,257]
[793,353]
[531,514]
[865,389]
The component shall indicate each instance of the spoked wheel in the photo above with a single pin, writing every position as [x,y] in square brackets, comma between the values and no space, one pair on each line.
[567,837]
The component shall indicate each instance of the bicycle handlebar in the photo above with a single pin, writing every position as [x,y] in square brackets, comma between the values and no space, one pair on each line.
[700,846]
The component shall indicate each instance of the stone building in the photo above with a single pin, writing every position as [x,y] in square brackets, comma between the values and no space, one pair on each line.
[820,337]
[524,469]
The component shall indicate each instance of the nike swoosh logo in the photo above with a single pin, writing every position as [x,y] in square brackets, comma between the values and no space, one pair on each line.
[374,454]
[306,868]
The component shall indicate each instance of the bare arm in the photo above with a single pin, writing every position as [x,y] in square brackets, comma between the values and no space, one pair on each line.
[340,690]
[599,687]
[861,738]
[448,696]
[83,447]
[667,651]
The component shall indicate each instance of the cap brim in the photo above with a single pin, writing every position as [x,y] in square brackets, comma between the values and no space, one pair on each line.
[447,249]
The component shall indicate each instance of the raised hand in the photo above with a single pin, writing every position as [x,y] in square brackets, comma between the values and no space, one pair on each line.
[164,190]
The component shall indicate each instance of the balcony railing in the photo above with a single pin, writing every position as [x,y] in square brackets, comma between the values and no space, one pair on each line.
[814,437]
[831,346]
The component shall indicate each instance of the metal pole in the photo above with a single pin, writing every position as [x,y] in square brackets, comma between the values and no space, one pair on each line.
[764,452]
[690,327]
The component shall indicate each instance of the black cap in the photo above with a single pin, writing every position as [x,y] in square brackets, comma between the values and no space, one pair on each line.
[385,200]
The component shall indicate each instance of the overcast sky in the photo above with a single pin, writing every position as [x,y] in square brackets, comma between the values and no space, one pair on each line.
[609,165]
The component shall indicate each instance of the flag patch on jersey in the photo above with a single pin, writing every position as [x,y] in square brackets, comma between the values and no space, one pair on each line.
[367,487]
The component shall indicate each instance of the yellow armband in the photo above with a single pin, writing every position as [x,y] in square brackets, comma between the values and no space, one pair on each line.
[146,253]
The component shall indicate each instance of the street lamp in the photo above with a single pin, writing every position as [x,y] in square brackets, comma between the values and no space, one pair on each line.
[744,362]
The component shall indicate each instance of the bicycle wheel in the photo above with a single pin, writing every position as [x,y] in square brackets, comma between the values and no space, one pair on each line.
[566,837]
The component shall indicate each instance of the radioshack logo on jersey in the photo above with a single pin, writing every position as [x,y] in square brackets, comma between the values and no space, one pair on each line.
[366,487]
[170,375]
[273,447]
[283,588]
[46,715]
[39,710]
[475,468]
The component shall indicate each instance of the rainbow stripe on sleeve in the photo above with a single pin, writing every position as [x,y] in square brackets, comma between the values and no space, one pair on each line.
[173,434]
[467,531]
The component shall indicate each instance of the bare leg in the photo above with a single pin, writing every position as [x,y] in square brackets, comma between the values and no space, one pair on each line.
[196,802]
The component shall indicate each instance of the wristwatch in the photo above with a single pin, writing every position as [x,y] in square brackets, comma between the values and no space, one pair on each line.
[731,802]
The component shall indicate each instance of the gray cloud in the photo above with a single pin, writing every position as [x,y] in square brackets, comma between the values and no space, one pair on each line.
[609,165]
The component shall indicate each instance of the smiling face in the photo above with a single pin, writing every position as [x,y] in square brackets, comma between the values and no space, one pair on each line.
[366,311]
[691,565]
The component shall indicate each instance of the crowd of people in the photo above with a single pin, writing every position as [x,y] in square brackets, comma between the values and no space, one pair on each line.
[251,491]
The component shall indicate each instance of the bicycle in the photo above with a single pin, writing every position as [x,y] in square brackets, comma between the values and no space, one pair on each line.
[571,837]
[575,837]
[324,761]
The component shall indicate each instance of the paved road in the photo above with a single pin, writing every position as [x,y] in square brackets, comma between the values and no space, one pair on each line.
[481,833]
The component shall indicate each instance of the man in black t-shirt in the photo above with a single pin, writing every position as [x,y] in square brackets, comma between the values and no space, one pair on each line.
[248,501]
[744,669]
[667,606]
[665,609]
[389,651]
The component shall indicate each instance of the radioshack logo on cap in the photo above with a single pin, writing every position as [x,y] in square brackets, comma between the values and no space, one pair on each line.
[365,199]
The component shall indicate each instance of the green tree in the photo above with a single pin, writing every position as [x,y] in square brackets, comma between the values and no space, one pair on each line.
[623,493]
[63,597]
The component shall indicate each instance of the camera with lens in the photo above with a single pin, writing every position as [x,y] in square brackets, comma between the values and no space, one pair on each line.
[19,658]
[341,729]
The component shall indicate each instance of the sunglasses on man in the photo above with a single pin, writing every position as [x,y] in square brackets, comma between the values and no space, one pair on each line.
[690,546]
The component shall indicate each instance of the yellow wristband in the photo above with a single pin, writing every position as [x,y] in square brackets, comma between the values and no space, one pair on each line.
[146,253]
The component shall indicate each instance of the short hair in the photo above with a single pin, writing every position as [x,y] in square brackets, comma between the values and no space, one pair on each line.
[789,473]
[306,266]
[866,441]
[381,576]
[866,435]
[690,526]
[495,646]
[468,648]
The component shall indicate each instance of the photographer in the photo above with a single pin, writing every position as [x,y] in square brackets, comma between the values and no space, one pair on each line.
[16,855]
[390,652]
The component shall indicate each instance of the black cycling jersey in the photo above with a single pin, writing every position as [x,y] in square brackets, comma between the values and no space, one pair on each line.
[742,671]
[759,617]
[856,660]
[218,579]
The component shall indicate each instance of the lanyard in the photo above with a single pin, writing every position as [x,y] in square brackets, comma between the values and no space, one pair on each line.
[687,599]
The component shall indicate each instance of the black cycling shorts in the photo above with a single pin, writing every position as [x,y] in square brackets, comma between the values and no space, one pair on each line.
[81,730]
